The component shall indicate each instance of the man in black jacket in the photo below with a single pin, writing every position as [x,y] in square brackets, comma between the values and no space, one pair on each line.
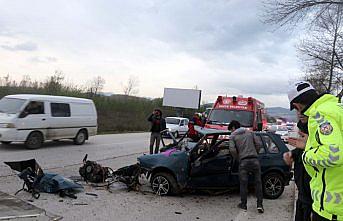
[158,124]
[301,177]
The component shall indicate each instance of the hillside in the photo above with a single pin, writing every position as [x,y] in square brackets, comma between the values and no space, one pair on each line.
[282,112]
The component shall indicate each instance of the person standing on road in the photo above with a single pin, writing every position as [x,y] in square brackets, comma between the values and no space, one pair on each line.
[323,155]
[158,124]
[301,177]
[196,121]
[248,146]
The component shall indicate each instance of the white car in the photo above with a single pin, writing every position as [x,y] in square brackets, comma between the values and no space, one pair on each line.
[32,119]
[177,125]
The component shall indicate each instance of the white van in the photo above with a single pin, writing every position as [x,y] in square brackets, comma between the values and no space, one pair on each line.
[35,118]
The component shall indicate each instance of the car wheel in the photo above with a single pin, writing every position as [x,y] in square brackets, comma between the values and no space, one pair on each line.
[176,134]
[164,184]
[6,142]
[273,185]
[80,137]
[34,140]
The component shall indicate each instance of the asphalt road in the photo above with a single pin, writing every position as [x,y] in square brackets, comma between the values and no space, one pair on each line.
[120,150]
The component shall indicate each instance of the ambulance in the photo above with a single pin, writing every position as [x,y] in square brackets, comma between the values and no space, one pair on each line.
[249,111]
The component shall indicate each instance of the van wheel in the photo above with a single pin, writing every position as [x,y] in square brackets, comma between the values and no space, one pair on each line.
[176,134]
[80,137]
[273,185]
[6,142]
[34,140]
[164,184]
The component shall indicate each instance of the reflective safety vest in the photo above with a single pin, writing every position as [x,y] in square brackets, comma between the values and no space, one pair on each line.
[323,156]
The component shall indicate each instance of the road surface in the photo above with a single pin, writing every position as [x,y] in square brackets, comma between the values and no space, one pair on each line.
[120,150]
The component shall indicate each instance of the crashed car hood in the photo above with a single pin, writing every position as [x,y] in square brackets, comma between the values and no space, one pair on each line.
[155,160]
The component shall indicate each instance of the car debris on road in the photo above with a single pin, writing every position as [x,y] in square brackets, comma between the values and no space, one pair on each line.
[36,180]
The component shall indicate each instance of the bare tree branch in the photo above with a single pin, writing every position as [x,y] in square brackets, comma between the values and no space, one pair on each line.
[131,86]
[96,85]
[321,53]
[292,12]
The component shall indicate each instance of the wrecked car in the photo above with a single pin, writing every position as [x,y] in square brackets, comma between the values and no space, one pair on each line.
[209,164]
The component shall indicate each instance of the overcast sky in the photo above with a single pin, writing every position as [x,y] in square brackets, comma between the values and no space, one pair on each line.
[219,45]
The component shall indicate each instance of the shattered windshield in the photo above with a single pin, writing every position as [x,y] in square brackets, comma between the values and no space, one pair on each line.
[172,121]
[11,105]
[221,116]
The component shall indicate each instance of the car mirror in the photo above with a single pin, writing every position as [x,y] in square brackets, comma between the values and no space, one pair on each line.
[23,114]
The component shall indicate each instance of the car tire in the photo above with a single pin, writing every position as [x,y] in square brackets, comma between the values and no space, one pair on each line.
[6,142]
[176,134]
[273,185]
[80,138]
[164,184]
[34,140]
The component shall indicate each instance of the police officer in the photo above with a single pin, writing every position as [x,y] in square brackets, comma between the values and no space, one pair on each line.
[323,155]
[302,178]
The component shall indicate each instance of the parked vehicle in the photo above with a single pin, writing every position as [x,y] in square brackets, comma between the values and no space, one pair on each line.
[33,119]
[250,112]
[177,125]
[282,131]
[209,164]
[291,126]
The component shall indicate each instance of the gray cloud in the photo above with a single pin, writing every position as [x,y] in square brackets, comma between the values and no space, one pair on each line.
[225,37]
[257,85]
[26,46]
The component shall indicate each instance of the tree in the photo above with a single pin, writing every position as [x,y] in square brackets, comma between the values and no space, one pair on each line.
[26,81]
[54,83]
[292,12]
[6,81]
[131,86]
[96,85]
[322,53]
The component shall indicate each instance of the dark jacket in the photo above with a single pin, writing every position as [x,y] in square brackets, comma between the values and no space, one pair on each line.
[246,142]
[301,177]
[158,124]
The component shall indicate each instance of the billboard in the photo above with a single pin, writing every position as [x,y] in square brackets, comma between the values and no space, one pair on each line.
[183,98]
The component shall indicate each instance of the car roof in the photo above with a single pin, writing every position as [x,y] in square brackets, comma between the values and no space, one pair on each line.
[49,98]
[179,118]
[208,131]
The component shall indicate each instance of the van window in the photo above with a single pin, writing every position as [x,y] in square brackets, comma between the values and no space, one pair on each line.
[60,110]
[221,116]
[34,107]
[11,105]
